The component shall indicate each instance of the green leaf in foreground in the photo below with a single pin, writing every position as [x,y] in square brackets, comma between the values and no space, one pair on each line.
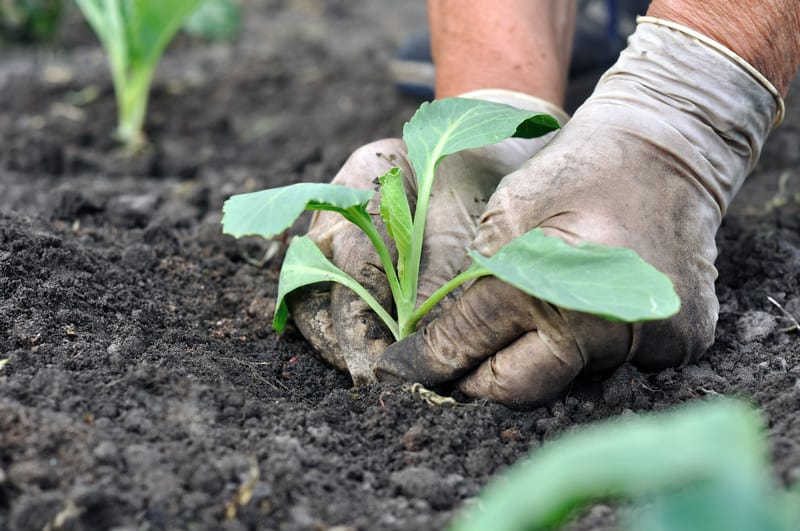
[396,213]
[445,126]
[612,282]
[270,212]
[712,451]
[305,264]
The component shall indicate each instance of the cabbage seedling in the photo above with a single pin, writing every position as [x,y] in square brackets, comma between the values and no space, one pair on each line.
[701,467]
[611,282]
[134,34]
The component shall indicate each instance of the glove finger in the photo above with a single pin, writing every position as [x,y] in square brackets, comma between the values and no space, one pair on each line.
[310,307]
[529,371]
[359,331]
[507,346]
[362,335]
[333,318]
[487,318]
[316,308]
[361,170]
[542,362]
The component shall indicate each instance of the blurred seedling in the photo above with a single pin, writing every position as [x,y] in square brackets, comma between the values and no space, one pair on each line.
[30,21]
[703,467]
[134,35]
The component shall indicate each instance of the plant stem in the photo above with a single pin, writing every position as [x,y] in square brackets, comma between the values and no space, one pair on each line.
[363,221]
[408,326]
[385,316]
[133,90]
[405,306]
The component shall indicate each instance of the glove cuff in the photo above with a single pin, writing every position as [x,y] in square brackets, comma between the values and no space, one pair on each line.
[710,114]
[730,54]
[519,100]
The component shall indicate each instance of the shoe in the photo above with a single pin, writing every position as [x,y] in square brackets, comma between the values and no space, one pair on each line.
[601,30]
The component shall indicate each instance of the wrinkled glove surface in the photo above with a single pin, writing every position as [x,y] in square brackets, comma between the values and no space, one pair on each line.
[337,323]
[649,162]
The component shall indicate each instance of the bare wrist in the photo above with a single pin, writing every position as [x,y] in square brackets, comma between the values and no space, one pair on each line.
[765,33]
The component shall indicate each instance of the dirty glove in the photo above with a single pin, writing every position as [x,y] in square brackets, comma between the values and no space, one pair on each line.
[649,162]
[337,323]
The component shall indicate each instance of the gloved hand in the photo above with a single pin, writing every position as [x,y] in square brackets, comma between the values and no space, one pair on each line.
[337,323]
[649,162]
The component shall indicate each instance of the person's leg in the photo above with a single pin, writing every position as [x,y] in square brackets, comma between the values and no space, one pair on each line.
[521,45]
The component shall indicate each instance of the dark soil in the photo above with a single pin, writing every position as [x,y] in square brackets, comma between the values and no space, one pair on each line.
[144,388]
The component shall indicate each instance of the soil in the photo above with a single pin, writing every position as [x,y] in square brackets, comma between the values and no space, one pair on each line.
[144,388]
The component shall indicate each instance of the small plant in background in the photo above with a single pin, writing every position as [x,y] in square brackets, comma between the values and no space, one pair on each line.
[703,467]
[611,282]
[30,21]
[134,34]
[217,20]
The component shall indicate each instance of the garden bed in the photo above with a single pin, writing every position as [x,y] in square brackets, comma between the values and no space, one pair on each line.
[144,387]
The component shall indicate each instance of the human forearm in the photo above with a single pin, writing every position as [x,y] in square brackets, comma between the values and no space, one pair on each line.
[766,33]
[521,45]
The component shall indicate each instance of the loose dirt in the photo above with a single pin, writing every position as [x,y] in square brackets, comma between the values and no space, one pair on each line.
[144,388]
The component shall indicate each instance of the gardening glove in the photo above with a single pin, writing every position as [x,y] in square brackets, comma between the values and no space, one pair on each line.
[649,162]
[337,323]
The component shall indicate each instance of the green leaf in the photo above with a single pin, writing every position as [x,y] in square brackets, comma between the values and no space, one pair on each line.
[214,20]
[134,34]
[305,264]
[443,127]
[30,21]
[270,212]
[714,442]
[151,24]
[138,29]
[446,126]
[720,504]
[396,213]
[611,282]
